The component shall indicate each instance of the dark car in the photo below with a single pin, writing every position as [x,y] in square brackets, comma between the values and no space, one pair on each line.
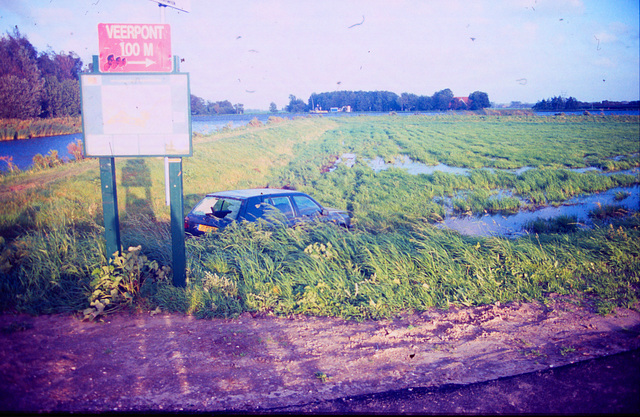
[217,210]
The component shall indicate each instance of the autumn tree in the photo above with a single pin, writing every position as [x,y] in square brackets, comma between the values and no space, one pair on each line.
[37,85]
[61,93]
[21,84]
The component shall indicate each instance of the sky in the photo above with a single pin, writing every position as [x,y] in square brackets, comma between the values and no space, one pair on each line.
[255,52]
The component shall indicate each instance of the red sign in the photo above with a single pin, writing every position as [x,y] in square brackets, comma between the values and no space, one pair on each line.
[135,47]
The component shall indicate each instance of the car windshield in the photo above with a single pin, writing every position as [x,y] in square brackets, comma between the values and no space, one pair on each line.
[220,207]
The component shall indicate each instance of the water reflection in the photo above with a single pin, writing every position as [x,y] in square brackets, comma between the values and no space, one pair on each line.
[513,225]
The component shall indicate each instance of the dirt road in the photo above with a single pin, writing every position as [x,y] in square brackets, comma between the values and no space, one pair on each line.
[173,362]
[605,385]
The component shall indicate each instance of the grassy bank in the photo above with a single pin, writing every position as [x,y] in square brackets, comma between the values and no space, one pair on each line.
[12,129]
[395,260]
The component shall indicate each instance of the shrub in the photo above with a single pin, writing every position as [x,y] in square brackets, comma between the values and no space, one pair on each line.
[255,122]
[75,149]
[50,160]
[10,165]
[118,284]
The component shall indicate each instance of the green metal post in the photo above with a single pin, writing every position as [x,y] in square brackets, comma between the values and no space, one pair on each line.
[110,205]
[177,223]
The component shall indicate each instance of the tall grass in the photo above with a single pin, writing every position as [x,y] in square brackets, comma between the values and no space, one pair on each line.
[324,270]
[394,260]
[49,270]
[477,142]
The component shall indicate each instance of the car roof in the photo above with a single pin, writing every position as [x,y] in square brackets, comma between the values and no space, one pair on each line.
[252,192]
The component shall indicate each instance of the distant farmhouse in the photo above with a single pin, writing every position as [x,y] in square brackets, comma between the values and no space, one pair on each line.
[460,103]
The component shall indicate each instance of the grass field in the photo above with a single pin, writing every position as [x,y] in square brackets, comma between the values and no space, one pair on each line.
[395,259]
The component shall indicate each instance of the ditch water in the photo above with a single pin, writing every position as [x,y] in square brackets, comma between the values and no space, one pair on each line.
[24,150]
[412,167]
[513,225]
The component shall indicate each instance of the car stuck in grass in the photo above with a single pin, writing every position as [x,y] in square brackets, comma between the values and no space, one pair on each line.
[218,210]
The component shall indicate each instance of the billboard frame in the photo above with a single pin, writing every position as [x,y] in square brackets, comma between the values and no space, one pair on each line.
[95,129]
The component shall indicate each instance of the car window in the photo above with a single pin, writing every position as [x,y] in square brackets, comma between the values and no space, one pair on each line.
[227,208]
[255,209]
[204,206]
[222,208]
[306,206]
[283,204]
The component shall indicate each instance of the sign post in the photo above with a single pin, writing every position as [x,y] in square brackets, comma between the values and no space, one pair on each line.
[137,104]
[177,222]
[110,205]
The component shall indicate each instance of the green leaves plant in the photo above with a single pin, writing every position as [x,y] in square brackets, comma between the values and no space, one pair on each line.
[118,284]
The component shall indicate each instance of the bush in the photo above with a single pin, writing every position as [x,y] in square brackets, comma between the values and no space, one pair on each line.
[75,149]
[118,284]
[48,161]
[255,122]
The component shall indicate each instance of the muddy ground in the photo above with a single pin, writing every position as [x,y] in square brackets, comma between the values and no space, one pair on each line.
[173,362]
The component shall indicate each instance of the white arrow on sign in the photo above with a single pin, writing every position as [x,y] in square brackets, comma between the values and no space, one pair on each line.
[147,62]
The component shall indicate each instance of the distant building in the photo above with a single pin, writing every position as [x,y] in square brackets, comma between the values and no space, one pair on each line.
[460,102]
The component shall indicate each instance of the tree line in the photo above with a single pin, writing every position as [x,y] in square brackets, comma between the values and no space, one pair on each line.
[202,106]
[33,84]
[384,101]
[571,104]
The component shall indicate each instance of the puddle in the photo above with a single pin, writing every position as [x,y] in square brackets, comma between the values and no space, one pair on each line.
[633,171]
[512,225]
[496,194]
[349,159]
[414,168]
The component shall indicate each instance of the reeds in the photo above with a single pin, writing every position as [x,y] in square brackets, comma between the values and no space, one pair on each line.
[12,129]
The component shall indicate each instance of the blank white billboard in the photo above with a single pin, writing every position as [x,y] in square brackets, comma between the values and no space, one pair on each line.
[132,115]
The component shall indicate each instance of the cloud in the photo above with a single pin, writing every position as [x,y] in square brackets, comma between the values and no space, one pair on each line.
[604,62]
[17,7]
